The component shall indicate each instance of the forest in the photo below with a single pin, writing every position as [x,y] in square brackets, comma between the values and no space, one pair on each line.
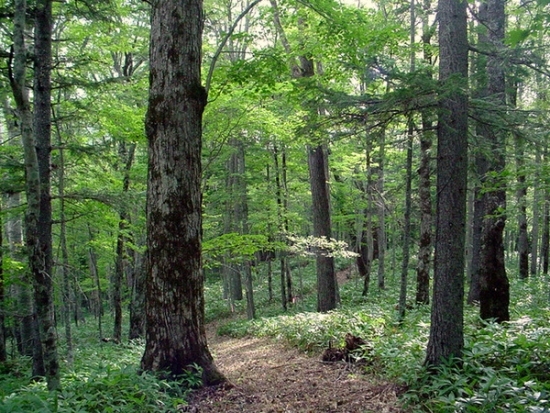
[364,183]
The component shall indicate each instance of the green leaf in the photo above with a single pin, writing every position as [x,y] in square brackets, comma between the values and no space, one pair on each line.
[516,36]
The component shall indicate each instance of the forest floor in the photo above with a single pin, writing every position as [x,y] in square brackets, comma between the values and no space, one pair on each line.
[267,376]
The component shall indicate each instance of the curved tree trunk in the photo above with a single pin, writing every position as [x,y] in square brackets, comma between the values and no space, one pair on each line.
[175,335]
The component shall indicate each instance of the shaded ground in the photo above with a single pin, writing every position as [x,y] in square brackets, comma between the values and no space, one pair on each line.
[268,377]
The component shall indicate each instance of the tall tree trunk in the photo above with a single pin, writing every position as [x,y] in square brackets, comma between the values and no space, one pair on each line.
[447,320]
[495,289]
[21,289]
[480,166]
[94,273]
[408,184]
[521,195]
[67,293]
[424,178]
[126,155]
[137,303]
[43,280]
[536,215]
[3,353]
[366,250]
[232,224]
[175,333]
[281,213]
[407,223]
[35,153]
[327,288]
[545,238]
[284,187]
[381,209]
[326,280]
[477,225]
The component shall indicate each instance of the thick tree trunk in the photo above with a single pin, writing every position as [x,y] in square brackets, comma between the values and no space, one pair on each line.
[495,289]
[43,280]
[175,336]
[32,183]
[447,330]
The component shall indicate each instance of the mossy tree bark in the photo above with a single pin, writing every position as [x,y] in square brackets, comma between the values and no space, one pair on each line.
[175,334]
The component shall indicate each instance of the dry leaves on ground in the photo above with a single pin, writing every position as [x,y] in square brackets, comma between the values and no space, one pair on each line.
[267,377]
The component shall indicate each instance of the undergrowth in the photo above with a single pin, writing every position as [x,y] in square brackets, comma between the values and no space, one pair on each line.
[104,378]
[504,368]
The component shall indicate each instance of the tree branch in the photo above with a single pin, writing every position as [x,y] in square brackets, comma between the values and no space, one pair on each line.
[224,41]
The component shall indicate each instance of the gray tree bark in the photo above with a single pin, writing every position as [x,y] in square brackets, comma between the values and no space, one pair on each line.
[447,330]
[326,280]
[126,157]
[43,260]
[424,178]
[175,334]
[536,216]
[494,295]
[3,353]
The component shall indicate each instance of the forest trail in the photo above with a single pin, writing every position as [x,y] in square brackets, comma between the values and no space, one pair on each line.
[268,377]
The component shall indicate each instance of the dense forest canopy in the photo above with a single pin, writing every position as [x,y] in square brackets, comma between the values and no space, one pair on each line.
[321,148]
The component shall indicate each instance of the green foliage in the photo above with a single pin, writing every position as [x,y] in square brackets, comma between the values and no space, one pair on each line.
[504,368]
[239,247]
[104,378]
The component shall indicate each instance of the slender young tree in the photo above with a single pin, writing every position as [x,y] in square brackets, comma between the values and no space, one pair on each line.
[424,177]
[3,353]
[447,330]
[175,334]
[536,216]
[521,191]
[126,155]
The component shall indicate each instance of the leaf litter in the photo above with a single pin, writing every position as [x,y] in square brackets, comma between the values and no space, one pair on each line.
[265,376]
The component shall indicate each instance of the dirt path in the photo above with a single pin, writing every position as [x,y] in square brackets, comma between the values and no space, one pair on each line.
[268,377]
